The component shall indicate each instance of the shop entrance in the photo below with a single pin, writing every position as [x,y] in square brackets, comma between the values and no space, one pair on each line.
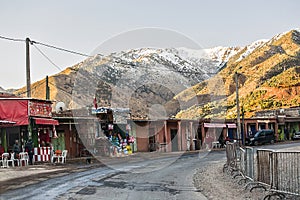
[59,142]
[174,139]
[152,143]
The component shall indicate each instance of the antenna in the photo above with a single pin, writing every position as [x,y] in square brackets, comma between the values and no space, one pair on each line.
[60,107]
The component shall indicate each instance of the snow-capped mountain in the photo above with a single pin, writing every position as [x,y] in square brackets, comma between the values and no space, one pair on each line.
[269,72]
[146,78]
[218,54]
[250,48]
[137,78]
[140,78]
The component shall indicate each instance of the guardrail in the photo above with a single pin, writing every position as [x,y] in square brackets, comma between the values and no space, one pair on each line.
[249,171]
[232,160]
[275,171]
[285,177]
[246,168]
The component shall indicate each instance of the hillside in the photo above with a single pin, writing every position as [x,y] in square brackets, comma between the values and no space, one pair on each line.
[268,79]
[139,79]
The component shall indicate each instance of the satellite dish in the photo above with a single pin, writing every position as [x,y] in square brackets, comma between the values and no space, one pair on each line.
[60,107]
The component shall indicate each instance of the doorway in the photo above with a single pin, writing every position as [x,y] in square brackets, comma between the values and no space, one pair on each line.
[174,139]
[59,142]
[152,143]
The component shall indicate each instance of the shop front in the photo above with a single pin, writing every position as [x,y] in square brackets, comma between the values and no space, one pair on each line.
[113,132]
[33,120]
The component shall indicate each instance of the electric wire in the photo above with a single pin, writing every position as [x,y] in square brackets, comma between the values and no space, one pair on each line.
[43,54]
[63,90]
[32,88]
[12,39]
[118,59]
[61,49]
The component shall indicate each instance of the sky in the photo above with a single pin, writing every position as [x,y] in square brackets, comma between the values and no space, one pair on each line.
[86,26]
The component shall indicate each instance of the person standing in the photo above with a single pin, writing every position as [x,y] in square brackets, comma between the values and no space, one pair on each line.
[29,149]
[286,133]
[16,148]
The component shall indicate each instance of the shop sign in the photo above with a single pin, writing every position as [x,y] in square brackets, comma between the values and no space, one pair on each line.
[99,110]
[40,109]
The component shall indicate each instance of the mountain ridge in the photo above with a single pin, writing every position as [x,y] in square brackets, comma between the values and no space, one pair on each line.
[99,76]
[202,81]
[266,64]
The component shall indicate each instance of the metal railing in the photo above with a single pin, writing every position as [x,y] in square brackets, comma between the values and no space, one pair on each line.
[246,168]
[232,160]
[275,171]
[285,176]
[249,171]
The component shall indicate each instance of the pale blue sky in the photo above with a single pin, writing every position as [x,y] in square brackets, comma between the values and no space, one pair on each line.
[84,25]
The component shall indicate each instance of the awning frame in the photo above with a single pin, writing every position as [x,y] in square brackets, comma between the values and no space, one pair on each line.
[45,121]
[214,125]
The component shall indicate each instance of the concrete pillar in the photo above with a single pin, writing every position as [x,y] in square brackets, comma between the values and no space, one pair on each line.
[168,138]
[192,136]
[179,135]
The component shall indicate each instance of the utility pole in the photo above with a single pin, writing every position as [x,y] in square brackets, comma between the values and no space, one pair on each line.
[47,89]
[243,125]
[28,82]
[238,108]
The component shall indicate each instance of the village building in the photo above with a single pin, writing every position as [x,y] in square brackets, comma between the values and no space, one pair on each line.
[89,130]
[31,119]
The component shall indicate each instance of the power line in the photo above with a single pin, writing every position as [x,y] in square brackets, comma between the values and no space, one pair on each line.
[42,82]
[47,45]
[69,93]
[12,39]
[43,54]
[61,49]
[86,55]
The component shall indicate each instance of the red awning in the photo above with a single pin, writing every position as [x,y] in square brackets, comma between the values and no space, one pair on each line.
[5,123]
[45,121]
[214,125]
[14,110]
[231,125]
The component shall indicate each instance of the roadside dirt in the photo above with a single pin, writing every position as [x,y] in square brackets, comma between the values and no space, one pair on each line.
[213,183]
[18,177]
[216,185]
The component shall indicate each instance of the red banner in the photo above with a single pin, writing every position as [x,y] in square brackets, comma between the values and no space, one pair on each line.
[14,110]
[40,109]
[45,121]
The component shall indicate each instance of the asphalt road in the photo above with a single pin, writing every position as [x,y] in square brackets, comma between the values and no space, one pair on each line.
[159,178]
[167,177]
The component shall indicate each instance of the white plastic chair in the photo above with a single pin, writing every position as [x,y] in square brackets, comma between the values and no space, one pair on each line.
[24,157]
[6,160]
[63,156]
[14,160]
[55,156]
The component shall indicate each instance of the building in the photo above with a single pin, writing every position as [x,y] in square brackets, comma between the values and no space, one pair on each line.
[31,118]
[180,135]
[75,133]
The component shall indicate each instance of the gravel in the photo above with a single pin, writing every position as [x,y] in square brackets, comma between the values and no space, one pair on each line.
[216,185]
[213,183]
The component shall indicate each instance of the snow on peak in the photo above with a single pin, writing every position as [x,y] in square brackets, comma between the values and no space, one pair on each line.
[250,48]
[219,54]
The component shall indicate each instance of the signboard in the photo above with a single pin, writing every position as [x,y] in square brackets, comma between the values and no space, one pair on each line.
[41,109]
[99,110]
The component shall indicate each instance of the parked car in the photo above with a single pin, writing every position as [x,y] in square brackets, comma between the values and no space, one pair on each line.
[296,136]
[262,137]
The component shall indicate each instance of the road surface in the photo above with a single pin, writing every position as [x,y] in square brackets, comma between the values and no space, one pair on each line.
[159,178]
[168,177]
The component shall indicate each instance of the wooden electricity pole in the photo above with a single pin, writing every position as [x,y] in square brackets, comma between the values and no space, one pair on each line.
[47,89]
[238,108]
[28,82]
